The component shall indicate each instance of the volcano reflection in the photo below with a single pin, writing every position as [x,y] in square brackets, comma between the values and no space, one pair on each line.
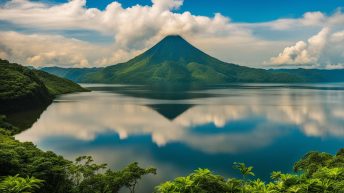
[198,128]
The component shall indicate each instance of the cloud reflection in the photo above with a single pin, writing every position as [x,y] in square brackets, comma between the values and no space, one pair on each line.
[84,116]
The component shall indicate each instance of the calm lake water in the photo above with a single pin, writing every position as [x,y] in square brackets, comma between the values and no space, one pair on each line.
[179,130]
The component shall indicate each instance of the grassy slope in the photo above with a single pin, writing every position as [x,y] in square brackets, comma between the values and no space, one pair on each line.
[21,87]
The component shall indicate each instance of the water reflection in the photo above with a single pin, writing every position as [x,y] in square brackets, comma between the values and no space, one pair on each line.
[262,126]
[26,118]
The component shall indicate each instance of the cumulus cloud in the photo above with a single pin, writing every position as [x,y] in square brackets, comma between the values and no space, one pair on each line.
[134,29]
[303,52]
[314,52]
[50,50]
[129,26]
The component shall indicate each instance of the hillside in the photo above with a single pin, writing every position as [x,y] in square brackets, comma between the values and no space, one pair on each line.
[21,87]
[73,74]
[57,85]
[174,60]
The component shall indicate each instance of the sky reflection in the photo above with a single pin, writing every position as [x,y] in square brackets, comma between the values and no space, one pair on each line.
[256,125]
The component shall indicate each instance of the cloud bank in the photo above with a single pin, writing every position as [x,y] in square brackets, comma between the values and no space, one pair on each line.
[323,49]
[43,34]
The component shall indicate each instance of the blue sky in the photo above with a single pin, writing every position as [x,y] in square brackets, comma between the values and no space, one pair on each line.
[84,33]
[240,10]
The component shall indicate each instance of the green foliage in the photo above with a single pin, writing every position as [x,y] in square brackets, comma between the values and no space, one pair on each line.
[313,161]
[200,181]
[63,176]
[22,87]
[318,173]
[88,176]
[130,175]
[27,160]
[56,85]
[16,184]
[245,171]
[7,128]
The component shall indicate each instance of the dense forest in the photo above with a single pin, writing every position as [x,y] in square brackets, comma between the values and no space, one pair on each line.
[22,87]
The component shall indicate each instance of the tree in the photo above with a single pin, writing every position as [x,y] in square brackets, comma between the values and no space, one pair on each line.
[200,181]
[89,177]
[16,184]
[132,173]
[245,171]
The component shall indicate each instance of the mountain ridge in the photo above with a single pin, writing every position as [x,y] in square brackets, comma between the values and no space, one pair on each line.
[174,60]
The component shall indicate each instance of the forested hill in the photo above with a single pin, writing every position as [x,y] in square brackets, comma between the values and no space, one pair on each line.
[22,87]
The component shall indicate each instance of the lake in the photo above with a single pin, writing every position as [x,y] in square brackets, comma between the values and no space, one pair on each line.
[177,130]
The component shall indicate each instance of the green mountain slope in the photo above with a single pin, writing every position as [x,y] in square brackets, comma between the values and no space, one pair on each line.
[21,87]
[73,74]
[57,85]
[174,60]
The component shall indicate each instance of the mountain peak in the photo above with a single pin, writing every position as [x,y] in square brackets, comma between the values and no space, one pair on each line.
[173,37]
[174,48]
[174,40]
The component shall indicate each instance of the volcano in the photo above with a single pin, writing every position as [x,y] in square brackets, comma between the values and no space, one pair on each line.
[174,60]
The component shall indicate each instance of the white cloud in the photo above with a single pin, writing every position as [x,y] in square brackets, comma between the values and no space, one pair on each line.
[133,25]
[49,50]
[324,49]
[136,28]
[167,4]
[309,19]
[303,53]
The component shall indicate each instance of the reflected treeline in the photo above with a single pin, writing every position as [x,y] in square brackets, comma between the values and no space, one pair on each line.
[26,118]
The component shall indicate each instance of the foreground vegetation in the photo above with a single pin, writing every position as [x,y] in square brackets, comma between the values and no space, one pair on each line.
[316,173]
[25,168]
